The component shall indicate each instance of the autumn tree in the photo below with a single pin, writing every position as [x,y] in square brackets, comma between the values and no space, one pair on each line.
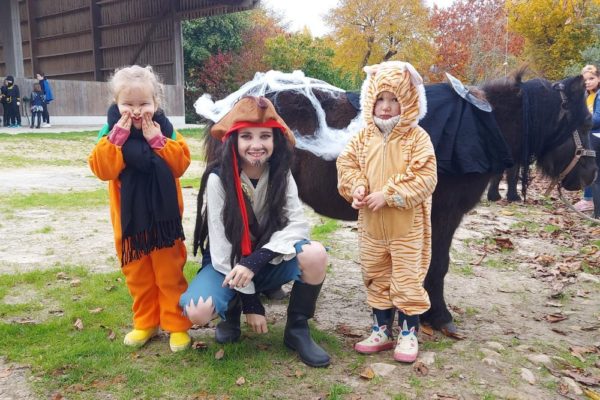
[300,51]
[555,31]
[472,41]
[370,31]
[222,53]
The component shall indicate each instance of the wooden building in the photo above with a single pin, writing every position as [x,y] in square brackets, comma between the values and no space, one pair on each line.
[77,44]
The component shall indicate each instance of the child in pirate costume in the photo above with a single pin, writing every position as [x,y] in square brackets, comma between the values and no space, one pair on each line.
[253,233]
[142,157]
[388,173]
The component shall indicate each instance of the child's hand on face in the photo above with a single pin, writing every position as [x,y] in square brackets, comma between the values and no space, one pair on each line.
[358,197]
[375,201]
[257,322]
[125,121]
[150,128]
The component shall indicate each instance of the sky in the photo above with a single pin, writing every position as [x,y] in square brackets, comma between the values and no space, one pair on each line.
[310,12]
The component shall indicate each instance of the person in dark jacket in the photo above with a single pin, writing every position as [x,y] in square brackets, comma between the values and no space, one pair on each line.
[47,90]
[13,102]
[38,99]
[3,101]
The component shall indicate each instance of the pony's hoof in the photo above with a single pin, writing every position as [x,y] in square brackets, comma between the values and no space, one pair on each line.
[513,199]
[493,196]
[450,330]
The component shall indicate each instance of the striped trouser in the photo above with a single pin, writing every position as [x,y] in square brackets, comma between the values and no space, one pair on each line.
[394,272]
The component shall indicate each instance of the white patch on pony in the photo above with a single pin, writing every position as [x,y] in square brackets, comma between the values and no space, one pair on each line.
[326,143]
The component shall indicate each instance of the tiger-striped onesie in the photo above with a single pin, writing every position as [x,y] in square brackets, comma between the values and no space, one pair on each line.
[395,241]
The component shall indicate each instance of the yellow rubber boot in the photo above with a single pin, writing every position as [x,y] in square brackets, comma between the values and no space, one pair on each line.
[179,341]
[139,337]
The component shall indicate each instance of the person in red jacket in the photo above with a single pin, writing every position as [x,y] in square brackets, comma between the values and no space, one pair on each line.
[142,157]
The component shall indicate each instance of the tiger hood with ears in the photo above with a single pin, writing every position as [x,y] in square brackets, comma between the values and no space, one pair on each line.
[401,79]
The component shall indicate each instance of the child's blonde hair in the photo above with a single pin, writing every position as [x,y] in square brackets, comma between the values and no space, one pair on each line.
[590,68]
[125,76]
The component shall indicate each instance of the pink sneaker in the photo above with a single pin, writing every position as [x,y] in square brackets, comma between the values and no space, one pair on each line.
[584,205]
[407,348]
[378,341]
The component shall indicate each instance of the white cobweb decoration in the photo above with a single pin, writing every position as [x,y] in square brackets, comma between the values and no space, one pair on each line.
[326,143]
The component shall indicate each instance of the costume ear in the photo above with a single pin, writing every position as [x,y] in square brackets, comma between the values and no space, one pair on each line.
[371,69]
[415,77]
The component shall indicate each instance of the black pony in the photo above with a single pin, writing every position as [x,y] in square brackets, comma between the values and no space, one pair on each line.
[538,121]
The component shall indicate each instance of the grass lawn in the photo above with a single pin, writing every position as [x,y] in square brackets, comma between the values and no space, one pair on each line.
[38,330]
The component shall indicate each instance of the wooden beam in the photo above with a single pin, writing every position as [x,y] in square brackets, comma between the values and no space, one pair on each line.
[64,35]
[169,9]
[62,12]
[33,50]
[65,53]
[95,21]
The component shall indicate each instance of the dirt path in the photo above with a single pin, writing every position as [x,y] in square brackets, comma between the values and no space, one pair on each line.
[523,288]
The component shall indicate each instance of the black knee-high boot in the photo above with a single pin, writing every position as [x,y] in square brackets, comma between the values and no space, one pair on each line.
[229,331]
[384,317]
[411,321]
[303,300]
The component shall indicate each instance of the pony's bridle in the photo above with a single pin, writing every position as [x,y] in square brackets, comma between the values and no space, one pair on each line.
[580,151]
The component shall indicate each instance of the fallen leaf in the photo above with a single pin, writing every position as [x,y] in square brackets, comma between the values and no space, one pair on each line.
[504,243]
[61,276]
[583,349]
[426,329]
[98,384]
[545,259]
[263,346]
[455,335]
[590,394]
[420,368]
[78,324]
[553,304]
[508,213]
[199,345]
[347,331]
[445,397]
[96,310]
[119,379]
[78,387]
[367,373]
[240,381]
[111,335]
[75,282]
[110,288]
[560,331]
[219,354]
[298,374]
[563,388]
[556,317]
[57,396]
[586,380]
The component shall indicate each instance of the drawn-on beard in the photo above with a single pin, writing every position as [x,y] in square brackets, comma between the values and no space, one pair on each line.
[260,163]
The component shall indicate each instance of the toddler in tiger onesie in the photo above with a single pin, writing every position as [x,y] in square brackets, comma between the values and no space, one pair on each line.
[388,172]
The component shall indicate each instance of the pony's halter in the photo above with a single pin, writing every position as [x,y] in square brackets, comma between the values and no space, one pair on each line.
[580,151]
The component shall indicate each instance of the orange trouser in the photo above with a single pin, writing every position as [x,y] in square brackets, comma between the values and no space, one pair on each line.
[156,283]
[394,272]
